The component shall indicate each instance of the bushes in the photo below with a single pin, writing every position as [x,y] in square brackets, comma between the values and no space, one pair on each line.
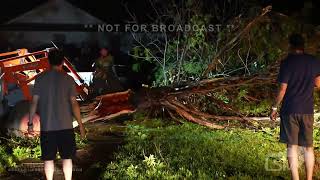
[15,149]
[6,159]
[24,148]
[192,152]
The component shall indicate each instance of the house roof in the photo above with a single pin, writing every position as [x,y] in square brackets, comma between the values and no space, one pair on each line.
[56,12]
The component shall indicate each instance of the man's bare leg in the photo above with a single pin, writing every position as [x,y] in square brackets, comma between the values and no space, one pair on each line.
[49,169]
[67,168]
[309,161]
[292,155]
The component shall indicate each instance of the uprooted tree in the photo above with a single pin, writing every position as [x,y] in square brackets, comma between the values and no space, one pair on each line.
[211,77]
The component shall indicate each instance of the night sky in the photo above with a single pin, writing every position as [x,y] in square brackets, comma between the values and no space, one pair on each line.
[113,11]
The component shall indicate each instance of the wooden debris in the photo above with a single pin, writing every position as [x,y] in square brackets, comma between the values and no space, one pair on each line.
[107,107]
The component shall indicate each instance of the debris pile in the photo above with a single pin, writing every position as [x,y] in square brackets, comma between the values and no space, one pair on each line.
[108,106]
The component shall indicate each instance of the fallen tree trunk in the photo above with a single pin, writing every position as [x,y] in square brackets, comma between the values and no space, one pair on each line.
[110,106]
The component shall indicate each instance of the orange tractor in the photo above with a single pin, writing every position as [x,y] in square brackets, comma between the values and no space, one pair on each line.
[18,70]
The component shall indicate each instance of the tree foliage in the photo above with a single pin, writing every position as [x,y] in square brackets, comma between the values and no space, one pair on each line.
[183,56]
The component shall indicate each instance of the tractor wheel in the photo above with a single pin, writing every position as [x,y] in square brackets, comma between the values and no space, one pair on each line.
[17,122]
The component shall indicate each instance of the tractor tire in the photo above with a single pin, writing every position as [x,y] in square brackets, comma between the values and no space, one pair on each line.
[17,122]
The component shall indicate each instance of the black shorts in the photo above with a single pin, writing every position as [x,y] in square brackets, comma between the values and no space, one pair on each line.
[297,129]
[62,141]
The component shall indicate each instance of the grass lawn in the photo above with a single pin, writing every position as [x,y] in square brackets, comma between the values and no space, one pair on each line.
[157,151]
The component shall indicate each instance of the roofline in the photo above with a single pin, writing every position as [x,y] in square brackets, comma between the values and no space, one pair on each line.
[45,3]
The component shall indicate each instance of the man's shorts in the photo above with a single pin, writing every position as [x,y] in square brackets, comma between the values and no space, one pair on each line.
[297,129]
[62,141]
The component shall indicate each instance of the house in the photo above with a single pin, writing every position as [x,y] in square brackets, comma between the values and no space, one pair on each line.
[55,20]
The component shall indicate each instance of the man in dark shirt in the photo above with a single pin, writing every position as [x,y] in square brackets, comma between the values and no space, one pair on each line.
[299,74]
[55,95]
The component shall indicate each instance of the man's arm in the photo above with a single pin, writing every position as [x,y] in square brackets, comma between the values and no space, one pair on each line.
[32,111]
[281,92]
[77,114]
